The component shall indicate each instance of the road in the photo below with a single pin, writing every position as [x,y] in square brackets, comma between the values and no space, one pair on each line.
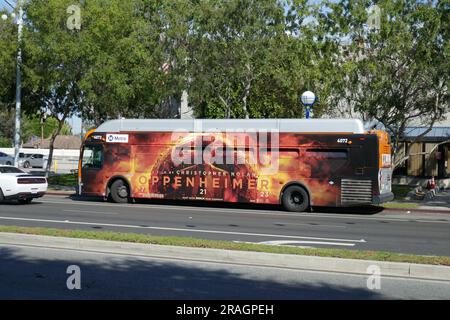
[30,272]
[358,229]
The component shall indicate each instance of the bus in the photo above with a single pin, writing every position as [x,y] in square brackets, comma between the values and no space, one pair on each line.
[296,163]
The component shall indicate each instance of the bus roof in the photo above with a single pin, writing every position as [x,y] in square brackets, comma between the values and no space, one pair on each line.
[283,125]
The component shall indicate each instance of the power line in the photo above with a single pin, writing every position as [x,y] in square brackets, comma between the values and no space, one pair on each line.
[9,3]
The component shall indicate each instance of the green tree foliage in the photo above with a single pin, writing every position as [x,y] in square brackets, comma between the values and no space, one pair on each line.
[33,126]
[398,73]
[8,50]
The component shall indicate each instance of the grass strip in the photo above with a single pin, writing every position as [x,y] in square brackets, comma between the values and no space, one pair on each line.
[63,180]
[400,205]
[229,245]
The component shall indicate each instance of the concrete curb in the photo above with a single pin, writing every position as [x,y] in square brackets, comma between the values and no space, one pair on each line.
[60,193]
[421,210]
[393,269]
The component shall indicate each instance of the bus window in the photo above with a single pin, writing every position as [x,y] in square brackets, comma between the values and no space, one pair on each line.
[326,161]
[92,157]
[327,153]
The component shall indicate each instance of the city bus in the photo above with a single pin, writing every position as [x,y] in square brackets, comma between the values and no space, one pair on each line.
[296,163]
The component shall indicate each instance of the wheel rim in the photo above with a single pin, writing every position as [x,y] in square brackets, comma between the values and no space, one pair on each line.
[122,191]
[296,199]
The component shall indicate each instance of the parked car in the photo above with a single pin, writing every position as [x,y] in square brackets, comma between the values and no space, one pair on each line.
[18,185]
[6,159]
[31,160]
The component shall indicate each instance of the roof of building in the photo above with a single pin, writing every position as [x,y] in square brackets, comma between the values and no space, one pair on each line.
[437,134]
[61,142]
[283,125]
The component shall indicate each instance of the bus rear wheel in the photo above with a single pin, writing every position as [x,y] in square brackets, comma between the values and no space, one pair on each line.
[295,199]
[120,192]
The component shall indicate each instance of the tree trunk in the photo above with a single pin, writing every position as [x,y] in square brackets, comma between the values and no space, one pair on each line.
[52,145]
[50,155]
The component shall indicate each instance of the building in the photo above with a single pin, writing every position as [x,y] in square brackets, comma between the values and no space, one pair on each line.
[61,142]
[430,156]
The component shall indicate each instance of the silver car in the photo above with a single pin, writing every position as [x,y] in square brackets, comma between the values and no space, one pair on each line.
[32,161]
[6,159]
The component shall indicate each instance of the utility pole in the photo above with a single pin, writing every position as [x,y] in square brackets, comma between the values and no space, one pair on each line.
[18,85]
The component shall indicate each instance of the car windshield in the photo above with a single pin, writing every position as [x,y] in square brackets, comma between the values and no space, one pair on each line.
[10,170]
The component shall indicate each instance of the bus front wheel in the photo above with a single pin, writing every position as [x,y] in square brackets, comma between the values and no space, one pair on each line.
[119,191]
[295,198]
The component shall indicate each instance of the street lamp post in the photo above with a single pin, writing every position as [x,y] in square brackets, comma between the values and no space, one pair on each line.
[18,85]
[18,77]
[308,99]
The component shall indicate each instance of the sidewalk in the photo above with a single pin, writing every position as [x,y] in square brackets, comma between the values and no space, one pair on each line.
[230,257]
[440,203]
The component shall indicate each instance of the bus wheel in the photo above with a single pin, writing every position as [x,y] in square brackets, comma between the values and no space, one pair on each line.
[120,192]
[295,198]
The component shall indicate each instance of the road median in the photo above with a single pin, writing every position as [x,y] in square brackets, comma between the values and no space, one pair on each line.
[241,254]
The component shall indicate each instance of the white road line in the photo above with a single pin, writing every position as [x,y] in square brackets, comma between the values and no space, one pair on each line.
[308,225]
[177,229]
[289,242]
[246,211]
[102,212]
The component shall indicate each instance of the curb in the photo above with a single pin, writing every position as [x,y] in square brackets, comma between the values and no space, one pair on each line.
[60,193]
[349,266]
[423,210]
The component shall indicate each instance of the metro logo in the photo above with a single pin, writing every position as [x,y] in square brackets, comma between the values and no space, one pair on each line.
[117,138]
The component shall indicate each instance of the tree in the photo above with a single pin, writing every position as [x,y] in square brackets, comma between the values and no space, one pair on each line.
[237,45]
[53,64]
[8,50]
[33,126]
[397,74]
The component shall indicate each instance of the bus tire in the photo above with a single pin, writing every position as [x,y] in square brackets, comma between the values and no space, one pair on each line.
[1,196]
[295,199]
[120,192]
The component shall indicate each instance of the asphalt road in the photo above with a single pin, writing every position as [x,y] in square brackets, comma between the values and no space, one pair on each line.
[28,272]
[355,229]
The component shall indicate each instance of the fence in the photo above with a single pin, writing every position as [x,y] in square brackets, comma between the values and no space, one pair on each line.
[64,160]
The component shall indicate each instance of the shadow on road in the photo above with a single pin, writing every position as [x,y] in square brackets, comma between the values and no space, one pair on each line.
[117,277]
[363,210]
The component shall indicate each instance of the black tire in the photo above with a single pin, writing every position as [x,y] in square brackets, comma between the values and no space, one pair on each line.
[120,192]
[295,199]
[26,164]
[25,201]
[2,197]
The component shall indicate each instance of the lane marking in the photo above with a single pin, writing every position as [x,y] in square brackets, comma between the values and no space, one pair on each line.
[289,242]
[177,229]
[245,211]
[102,212]
[281,224]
